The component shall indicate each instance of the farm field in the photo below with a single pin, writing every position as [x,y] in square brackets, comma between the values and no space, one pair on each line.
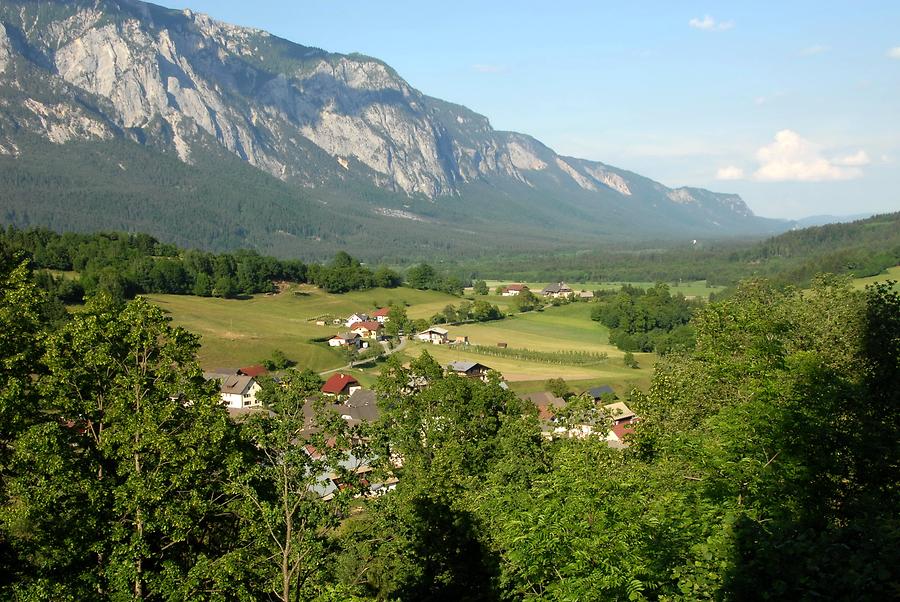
[698,288]
[237,332]
[889,274]
[567,327]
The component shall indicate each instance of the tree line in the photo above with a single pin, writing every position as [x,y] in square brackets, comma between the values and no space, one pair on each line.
[765,465]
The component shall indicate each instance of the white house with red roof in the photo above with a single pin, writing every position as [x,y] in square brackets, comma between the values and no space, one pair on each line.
[512,290]
[382,315]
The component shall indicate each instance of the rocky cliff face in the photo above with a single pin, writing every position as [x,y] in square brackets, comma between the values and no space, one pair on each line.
[126,68]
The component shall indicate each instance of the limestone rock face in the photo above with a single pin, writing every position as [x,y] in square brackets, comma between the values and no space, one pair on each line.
[126,68]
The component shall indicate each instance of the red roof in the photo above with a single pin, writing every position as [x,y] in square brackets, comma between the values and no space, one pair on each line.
[254,371]
[338,382]
[368,325]
[384,311]
[622,429]
[516,287]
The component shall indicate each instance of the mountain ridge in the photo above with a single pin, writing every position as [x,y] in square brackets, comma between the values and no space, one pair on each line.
[187,85]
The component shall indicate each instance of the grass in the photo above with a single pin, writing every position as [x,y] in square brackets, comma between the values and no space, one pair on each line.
[240,332]
[567,327]
[699,288]
[889,274]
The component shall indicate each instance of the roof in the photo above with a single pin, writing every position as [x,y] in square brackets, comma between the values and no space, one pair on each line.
[586,294]
[338,382]
[436,330]
[596,392]
[236,384]
[515,287]
[620,430]
[465,366]
[346,335]
[255,370]
[368,325]
[556,288]
[619,411]
[360,406]
[546,402]
[380,313]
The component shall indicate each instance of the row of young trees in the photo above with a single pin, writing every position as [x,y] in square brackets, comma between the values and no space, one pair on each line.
[766,464]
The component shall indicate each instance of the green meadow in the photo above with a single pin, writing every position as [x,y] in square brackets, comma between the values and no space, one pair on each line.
[889,274]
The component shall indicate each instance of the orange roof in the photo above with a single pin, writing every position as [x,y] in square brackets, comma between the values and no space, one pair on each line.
[255,370]
[381,312]
[338,382]
[368,325]
[623,429]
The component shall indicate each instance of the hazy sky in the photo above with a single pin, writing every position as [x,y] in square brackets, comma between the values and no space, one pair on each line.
[794,105]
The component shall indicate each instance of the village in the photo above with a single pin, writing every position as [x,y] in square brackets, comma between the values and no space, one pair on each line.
[600,413]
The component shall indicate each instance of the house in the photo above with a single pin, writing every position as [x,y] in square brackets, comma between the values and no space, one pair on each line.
[255,371]
[513,290]
[356,318]
[619,413]
[586,295]
[618,435]
[341,384]
[344,339]
[435,335]
[368,329]
[469,369]
[382,315]
[237,390]
[461,340]
[359,407]
[547,404]
[561,289]
[597,393]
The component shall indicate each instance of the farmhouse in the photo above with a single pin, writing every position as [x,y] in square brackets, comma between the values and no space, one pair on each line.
[513,290]
[560,289]
[341,384]
[435,335]
[237,390]
[382,315]
[469,369]
[368,329]
[344,339]
[586,295]
[359,407]
[356,318]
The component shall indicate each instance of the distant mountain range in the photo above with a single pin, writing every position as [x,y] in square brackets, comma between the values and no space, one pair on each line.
[125,115]
[823,220]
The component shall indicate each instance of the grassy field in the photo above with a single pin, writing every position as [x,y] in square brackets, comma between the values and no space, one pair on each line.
[554,329]
[699,288]
[238,332]
[889,274]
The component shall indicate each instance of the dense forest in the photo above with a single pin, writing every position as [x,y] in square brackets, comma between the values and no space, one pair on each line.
[766,465]
[861,248]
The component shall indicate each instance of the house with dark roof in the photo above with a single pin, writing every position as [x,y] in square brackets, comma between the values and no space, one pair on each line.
[345,339]
[597,393]
[340,384]
[469,369]
[560,289]
[355,319]
[360,407]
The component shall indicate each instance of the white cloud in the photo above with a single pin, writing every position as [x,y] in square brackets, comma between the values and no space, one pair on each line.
[730,172]
[857,159]
[793,158]
[894,53]
[484,68]
[813,50]
[707,23]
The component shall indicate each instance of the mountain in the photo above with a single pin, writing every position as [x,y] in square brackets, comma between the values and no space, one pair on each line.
[122,114]
[824,220]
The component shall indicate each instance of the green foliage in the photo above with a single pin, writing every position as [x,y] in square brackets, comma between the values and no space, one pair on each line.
[480,287]
[651,320]
[558,386]
[425,277]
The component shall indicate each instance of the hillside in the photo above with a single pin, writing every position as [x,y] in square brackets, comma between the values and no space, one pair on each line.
[288,149]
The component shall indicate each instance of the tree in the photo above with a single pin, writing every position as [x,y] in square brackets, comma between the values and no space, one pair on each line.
[421,276]
[558,386]
[481,287]
[123,495]
[283,516]
[387,278]
[629,361]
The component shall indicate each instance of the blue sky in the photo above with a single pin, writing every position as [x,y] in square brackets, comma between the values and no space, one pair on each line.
[794,105]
